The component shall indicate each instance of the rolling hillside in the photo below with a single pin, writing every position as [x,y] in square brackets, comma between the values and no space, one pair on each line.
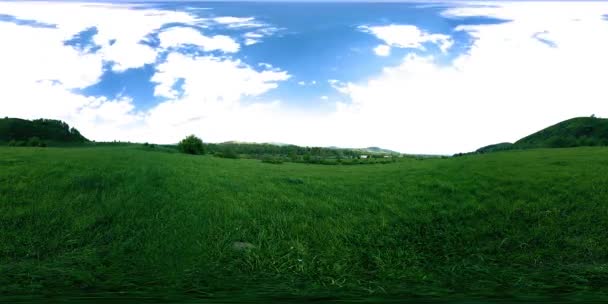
[575,132]
[46,130]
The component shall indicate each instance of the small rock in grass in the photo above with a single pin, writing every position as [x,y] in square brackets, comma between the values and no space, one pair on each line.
[242,246]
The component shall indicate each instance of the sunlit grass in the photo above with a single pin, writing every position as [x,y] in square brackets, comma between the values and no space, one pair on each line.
[122,219]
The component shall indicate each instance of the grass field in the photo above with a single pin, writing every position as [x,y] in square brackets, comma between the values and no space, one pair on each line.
[123,220]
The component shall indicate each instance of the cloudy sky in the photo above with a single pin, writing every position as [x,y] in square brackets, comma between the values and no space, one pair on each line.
[435,78]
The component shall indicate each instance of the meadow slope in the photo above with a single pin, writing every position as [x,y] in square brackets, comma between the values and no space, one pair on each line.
[519,224]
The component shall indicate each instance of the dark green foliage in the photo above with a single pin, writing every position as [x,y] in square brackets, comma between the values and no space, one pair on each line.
[34,141]
[581,131]
[292,153]
[496,147]
[272,160]
[47,130]
[31,142]
[228,153]
[191,145]
[575,132]
[114,220]
[255,150]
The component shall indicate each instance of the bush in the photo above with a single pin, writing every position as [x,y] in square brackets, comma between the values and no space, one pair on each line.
[328,162]
[229,154]
[272,160]
[12,143]
[191,145]
[33,141]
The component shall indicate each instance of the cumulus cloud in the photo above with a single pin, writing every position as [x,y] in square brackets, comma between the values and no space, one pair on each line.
[208,78]
[257,35]
[507,85]
[250,41]
[119,44]
[233,20]
[178,36]
[44,75]
[382,50]
[238,22]
[405,36]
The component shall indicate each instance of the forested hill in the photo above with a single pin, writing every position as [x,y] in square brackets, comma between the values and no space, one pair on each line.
[575,132]
[20,131]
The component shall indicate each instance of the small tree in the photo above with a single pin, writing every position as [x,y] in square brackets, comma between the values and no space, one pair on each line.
[191,145]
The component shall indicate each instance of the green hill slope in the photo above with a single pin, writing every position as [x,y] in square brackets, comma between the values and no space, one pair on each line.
[48,130]
[575,132]
[114,221]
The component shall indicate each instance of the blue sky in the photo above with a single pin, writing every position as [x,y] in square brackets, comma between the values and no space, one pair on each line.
[441,78]
[314,47]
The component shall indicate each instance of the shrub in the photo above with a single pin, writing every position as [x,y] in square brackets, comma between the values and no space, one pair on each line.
[12,143]
[327,162]
[191,145]
[33,141]
[272,160]
[230,154]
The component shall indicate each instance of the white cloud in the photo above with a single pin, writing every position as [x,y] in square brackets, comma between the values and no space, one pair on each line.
[211,79]
[232,20]
[405,36]
[382,50]
[177,36]
[238,22]
[253,35]
[250,41]
[213,91]
[509,84]
[265,65]
[71,18]
[43,72]
[304,83]
[256,36]
[324,97]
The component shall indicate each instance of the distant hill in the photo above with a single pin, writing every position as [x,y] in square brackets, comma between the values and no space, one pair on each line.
[496,147]
[575,132]
[377,150]
[368,150]
[45,130]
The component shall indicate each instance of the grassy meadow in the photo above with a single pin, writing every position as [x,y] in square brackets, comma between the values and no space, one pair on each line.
[527,224]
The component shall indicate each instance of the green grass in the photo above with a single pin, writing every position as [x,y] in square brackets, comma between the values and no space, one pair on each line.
[111,220]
